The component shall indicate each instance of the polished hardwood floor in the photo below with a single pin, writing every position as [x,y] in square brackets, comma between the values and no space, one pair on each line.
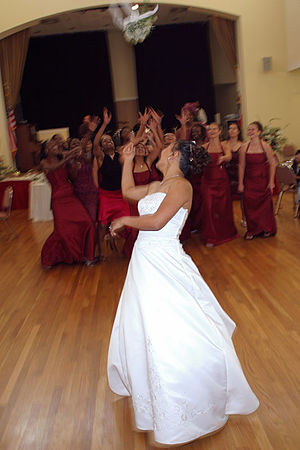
[55,328]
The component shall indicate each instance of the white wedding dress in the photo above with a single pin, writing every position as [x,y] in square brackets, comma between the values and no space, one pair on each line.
[171,348]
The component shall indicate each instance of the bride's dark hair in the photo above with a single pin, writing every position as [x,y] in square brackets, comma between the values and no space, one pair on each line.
[193,158]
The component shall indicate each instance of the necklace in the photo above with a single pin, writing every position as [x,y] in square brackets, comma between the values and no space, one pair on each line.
[169,178]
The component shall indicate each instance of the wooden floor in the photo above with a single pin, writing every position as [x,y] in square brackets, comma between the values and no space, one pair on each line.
[55,328]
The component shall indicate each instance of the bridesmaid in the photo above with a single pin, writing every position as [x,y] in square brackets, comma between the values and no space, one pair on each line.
[256,182]
[217,225]
[144,172]
[73,238]
[81,175]
[235,143]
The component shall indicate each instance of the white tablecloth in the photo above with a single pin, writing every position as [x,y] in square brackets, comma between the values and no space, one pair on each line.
[40,201]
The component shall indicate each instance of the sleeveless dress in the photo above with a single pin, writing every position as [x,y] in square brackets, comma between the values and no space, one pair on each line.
[171,347]
[217,225]
[257,198]
[111,202]
[74,235]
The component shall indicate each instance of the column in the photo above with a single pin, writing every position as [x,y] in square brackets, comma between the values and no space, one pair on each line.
[5,152]
[123,73]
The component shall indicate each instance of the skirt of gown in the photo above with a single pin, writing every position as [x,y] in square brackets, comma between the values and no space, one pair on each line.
[217,225]
[74,236]
[171,348]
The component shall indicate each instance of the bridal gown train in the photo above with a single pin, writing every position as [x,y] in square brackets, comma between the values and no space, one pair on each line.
[170,347]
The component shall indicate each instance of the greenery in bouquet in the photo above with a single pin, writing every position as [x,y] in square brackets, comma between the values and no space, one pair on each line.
[136,32]
[274,136]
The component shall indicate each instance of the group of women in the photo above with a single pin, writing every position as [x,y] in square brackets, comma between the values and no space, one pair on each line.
[85,176]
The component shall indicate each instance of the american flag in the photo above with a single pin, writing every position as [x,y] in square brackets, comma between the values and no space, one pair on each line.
[12,125]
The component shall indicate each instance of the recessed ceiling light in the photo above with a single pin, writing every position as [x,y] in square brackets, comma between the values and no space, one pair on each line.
[134,7]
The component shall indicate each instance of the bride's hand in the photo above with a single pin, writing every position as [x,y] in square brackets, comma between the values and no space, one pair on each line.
[116,226]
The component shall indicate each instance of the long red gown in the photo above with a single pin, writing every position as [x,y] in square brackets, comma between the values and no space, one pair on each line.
[74,236]
[217,225]
[257,196]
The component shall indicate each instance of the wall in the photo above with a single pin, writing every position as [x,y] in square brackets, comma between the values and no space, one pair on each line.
[261,32]
[292,17]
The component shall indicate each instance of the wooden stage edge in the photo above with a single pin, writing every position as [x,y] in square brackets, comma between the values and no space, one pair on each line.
[55,328]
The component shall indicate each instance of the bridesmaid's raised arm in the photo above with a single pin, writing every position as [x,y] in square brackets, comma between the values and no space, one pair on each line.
[129,190]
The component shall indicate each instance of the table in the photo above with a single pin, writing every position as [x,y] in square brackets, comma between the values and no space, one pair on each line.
[20,186]
[40,201]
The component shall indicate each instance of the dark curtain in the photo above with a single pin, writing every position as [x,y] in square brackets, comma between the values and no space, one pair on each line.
[66,77]
[174,67]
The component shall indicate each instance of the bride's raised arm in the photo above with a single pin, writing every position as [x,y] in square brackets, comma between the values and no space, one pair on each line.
[129,190]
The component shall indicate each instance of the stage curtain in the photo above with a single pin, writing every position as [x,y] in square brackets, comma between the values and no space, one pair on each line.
[174,67]
[225,32]
[13,51]
[66,77]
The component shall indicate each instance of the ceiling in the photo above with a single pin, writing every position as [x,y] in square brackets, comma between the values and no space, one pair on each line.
[96,19]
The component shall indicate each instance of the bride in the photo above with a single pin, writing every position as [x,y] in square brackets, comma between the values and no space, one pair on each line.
[170,348]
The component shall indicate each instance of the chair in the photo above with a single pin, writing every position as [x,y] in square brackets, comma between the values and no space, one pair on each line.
[6,208]
[287,181]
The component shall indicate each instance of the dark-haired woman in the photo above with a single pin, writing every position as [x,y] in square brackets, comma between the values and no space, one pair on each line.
[73,238]
[170,348]
[235,143]
[217,225]
[144,172]
[81,174]
[256,182]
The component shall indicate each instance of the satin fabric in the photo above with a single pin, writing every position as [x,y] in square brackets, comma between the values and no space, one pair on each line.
[111,206]
[257,198]
[170,347]
[217,225]
[74,235]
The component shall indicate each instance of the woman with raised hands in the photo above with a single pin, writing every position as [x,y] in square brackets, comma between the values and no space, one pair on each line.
[170,348]
[74,236]
[107,172]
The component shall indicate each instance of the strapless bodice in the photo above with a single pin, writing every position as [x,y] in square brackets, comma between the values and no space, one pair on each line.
[172,229]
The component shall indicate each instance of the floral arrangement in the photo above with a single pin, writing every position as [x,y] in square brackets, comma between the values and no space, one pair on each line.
[273,136]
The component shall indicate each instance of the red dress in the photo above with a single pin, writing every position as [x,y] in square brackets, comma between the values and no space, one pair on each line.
[257,196]
[140,179]
[74,235]
[217,225]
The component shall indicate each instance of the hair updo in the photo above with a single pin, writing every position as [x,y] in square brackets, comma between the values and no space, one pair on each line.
[193,159]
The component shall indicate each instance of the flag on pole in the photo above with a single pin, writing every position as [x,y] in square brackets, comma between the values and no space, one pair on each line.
[12,125]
